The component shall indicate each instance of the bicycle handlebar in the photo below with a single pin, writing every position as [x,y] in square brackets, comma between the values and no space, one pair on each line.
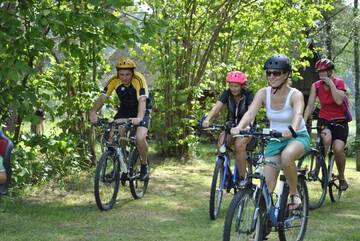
[293,133]
[214,127]
[126,123]
[265,133]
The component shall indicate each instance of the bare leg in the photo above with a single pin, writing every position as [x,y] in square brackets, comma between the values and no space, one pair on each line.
[338,148]
[240,149]
[3,177]
[326,138]
[141,133]
[221,139]
[271,173]
[292,152]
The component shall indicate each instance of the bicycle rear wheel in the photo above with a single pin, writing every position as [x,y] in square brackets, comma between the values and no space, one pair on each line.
[138,187]
[216,189]
[294,221]
[239,221]
[316,177]
[334,182]
[106,181]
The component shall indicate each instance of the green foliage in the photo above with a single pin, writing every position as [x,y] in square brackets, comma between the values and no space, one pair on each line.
[51,57]
[200,41]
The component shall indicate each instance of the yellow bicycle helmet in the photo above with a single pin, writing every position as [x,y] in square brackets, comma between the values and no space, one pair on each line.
[125,63]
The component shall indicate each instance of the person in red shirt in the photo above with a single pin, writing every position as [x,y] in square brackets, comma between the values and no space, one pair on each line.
[331,92]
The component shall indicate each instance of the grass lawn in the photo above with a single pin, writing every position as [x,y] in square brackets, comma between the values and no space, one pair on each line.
[175,208]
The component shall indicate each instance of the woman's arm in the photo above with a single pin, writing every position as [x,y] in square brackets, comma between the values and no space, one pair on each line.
[253,109]
[213,113]
[311,103]
[337,94]
[297,102]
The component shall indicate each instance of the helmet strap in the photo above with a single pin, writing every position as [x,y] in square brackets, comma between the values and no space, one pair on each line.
[279,87]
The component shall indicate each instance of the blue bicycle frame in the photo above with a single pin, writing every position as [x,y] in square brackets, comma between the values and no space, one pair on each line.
[224,156]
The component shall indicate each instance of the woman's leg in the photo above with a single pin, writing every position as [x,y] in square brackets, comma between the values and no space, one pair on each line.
[293,151]
[240,150]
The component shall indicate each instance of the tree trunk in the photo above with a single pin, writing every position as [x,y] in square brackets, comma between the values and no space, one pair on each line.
[328,37]
[357,79]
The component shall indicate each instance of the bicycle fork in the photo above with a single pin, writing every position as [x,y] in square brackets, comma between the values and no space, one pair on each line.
[271,210]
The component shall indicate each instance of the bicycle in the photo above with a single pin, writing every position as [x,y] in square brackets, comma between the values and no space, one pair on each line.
[223,178]
[253,212]
[120,162]
[318,175]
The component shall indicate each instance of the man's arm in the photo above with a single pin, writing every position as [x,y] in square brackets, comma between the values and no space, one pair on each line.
[141,107]
[96,107]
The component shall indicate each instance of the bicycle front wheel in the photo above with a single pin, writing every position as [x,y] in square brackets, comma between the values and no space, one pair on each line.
[239,222]
[294,222]
[106,181]
[316,177]
[138,187]
[334,182]
[216,189]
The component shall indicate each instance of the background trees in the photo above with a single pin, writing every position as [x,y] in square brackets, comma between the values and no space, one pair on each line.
[201,40]
[52,57]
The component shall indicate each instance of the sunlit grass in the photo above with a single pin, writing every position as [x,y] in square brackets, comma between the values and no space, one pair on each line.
[175,208]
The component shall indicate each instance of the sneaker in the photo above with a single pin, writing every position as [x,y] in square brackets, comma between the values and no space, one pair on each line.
[295,202]
[343,185]
[144,172]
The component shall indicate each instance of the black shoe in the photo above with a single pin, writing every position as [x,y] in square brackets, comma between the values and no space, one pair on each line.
[343,185]
[109,177]
[123,178]
[144,172]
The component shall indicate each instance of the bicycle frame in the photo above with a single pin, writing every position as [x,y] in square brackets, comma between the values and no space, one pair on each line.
[272,210]
[227,169]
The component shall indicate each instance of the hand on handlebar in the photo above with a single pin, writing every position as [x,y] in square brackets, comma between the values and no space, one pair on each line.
[135,121]
[236,130]
[205,124]
[287,134]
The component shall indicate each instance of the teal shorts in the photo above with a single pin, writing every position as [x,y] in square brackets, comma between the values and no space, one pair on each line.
[275,147]
[2,168]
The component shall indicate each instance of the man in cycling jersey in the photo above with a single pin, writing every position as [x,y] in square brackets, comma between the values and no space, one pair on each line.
[237,100]
[284,107]
[132,91]
[331,92]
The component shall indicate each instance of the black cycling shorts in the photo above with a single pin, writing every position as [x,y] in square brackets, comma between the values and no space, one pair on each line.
[144,123]
[338,132]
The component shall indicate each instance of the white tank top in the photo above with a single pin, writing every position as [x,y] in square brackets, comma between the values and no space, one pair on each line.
[281,119]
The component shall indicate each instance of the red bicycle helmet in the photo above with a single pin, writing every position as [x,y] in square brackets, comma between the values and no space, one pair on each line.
[324,64]
[236,77]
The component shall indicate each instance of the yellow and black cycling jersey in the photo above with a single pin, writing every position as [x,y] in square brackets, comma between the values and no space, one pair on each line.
[128,95]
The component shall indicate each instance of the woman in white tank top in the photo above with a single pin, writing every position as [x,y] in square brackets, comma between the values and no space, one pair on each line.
[284,106]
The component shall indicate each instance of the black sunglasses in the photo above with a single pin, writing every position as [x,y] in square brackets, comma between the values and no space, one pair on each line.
[275,73]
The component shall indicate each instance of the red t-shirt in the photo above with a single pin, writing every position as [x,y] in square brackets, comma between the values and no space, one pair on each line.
[329,110]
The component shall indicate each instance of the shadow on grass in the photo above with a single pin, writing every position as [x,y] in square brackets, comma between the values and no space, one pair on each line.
[174,208]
